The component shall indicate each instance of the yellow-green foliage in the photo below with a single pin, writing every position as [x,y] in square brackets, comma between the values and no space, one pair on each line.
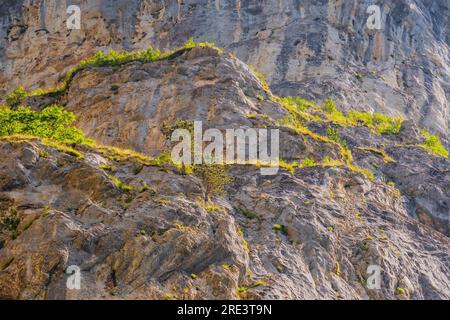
[346,155]
[298,103]
[165,158]
[108,167]
[386,157]
[307,162]
[288,166]
[400,291]
[337,268]
[61,147]
[339,118]
[120,184]
[299,107]
[387,125]
[47,210]
[294,123]
[262,80]
[433,144]
[369,174]
[214,177]
[209,206]
[183,228]
[332,134]
[280,228]
[244,242]
[327,162]
[377,122]
[364,118]
[192,44]
[53,123]
[119,155]
[329,106]
[15,98]
[241,291]
[111,59]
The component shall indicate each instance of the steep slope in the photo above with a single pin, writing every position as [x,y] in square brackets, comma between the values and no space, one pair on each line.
[132,107]
[310,48]
[139,228]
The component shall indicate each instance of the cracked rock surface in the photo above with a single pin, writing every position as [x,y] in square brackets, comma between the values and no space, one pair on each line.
[307,234]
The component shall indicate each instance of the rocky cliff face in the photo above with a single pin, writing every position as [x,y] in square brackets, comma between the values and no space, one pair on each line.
[140,228]
[314,49]
[311,233]
[150,244]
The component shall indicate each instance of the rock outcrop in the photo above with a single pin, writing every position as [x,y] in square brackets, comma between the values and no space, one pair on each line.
[140,229]
[308,48]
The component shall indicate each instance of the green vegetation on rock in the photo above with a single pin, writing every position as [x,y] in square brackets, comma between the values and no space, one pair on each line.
[214,177]
[100,59]
[433,144]
[54,122]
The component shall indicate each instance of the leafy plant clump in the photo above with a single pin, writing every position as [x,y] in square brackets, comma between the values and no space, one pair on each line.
[209,206]
[53,123]
[214,177]
[280,228]
[11,223]
[387,125]
[329,106]
[307,162]
[333,134]
[122,186]
[433,144]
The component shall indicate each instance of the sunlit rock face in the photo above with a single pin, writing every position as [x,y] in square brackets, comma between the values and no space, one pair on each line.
[307,234]
[314,49]
[138,229]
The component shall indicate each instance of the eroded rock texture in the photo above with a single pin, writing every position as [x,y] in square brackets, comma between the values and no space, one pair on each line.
[309,48]
[309,234]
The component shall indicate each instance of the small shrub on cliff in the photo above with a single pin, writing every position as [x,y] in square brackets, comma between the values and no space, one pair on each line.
[298,103]
[214,177]
[433,144]
[189,44]
[168,129]
[280,228]
[400,291]
[361,117]
[307,162]
[387,125]
[262,80]
[333,134]
[11,223]
[209,206]
[122,186]
[329,106]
